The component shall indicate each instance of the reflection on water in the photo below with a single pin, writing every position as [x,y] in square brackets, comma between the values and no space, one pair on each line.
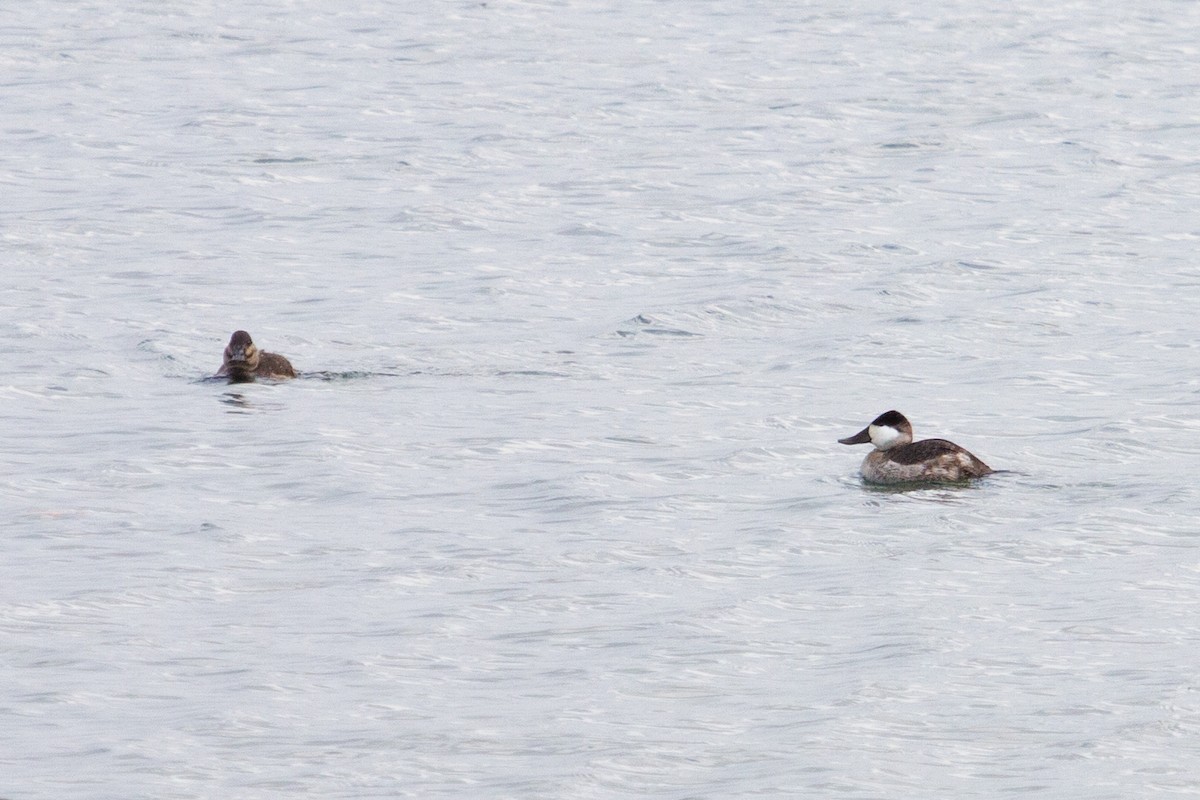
[235,399]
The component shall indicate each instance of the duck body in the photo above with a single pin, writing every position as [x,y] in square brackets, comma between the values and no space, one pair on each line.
[898,459]
[243,362]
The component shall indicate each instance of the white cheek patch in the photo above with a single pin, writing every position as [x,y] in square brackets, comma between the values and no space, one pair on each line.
[884,436]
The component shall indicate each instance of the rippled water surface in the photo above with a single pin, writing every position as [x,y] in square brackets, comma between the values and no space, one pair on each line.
[583,295]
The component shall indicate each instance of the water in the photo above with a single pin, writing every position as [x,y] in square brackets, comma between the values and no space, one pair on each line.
[585,295]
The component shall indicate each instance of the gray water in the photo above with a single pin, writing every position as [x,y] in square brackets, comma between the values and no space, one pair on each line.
[585,294]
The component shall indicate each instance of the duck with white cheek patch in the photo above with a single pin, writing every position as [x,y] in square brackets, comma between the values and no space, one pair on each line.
[898,459]
[243,362]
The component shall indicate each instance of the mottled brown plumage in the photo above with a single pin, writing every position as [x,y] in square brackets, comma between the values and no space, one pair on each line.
[898,459]
[243,362]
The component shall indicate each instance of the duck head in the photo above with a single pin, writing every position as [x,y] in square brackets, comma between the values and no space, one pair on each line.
[888,430]
[241,358]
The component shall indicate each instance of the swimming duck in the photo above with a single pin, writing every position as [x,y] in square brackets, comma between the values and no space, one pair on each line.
[243,361]
[898,459]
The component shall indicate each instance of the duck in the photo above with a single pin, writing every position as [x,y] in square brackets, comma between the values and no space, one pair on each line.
[244,362]
[898,459]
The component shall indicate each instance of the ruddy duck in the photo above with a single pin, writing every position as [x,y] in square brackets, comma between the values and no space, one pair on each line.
[898,459]
[244,362]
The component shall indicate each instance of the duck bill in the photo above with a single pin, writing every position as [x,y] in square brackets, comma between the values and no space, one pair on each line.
[862,437]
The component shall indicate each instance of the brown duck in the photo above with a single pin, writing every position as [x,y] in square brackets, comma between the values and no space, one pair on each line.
[898,459]
[244,362]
